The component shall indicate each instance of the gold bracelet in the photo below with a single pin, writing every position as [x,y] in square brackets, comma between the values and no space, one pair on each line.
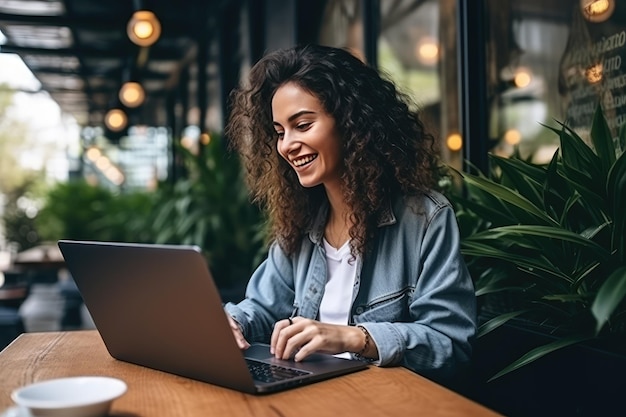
[366,344]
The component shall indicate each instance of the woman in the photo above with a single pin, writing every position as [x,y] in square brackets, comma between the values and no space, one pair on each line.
[364,258]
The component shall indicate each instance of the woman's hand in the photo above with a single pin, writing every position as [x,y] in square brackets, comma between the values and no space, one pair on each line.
[241,341]
[305,336]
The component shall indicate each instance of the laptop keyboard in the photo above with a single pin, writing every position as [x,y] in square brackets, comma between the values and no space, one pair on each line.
[266,372]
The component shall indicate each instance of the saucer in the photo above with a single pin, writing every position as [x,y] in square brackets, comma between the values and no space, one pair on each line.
[84,396]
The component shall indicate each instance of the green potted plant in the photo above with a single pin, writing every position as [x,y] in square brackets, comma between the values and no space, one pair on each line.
[210,207]
[79,210]
[546,244]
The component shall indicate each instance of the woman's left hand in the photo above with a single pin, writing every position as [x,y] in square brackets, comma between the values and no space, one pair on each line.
[297,338]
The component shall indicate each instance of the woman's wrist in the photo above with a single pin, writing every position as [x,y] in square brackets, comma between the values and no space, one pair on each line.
[366,348]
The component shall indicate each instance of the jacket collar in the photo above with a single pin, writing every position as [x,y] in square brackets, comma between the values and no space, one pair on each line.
[316,232]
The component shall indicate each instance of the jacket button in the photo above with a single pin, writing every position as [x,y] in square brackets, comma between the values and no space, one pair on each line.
[359,310]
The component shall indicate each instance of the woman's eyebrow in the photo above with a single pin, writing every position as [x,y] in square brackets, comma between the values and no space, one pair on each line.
[295,116]
[300,113]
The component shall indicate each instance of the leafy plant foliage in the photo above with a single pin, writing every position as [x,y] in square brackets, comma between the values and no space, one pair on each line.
[78,210]
[211,208]
[208,207]
[546,244]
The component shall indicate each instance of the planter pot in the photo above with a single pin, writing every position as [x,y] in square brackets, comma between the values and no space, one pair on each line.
[43,308]
[580,380]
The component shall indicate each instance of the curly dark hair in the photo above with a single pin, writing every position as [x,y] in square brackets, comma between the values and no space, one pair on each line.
[386,149]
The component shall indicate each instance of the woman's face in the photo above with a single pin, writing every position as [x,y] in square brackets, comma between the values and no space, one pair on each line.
[307,136]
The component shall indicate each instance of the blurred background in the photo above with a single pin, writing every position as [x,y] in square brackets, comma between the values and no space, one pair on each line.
[111,112]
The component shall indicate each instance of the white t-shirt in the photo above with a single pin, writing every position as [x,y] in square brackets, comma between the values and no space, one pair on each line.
[335,306]
[337,299]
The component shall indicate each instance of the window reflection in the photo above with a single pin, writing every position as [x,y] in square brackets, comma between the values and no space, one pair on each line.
[524,54]
[572,51]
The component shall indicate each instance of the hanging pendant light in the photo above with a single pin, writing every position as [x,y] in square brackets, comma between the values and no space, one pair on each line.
[143,28]
[116,120]
[597,10]
[132,94]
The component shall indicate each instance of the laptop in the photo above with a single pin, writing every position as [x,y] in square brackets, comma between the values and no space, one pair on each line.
[158,306]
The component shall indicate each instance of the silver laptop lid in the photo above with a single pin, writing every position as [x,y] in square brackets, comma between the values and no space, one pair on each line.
[157,306]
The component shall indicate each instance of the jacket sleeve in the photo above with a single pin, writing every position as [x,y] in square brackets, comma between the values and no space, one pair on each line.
[269,297]
[442,309]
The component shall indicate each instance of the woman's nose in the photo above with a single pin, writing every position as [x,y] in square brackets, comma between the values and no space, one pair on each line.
[288,143]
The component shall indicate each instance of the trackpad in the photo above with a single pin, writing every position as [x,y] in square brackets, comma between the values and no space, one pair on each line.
[258,351]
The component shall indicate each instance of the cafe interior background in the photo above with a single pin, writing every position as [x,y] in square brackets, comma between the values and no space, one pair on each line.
[111,116]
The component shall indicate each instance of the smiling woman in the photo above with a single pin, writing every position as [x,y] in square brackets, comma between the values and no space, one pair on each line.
[364,257]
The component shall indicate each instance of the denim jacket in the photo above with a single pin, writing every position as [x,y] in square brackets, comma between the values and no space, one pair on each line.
[412,292]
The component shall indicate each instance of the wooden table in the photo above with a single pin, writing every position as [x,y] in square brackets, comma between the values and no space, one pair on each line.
[372,392]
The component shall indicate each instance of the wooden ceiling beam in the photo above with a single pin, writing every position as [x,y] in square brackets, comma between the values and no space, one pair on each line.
[156,54]
[169,27]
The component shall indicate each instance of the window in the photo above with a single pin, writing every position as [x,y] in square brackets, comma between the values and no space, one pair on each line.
[552,60]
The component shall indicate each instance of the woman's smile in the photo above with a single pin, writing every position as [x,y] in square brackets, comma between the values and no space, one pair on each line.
[305,160]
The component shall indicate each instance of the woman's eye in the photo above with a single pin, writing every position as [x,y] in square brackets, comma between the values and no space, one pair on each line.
[280,135]
[303,126]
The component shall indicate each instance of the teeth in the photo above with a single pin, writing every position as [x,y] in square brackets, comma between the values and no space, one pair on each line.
[303,161]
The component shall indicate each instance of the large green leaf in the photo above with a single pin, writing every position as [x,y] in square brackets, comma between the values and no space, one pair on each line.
[602,139]
[621,139]
[187,224]
[609,296]
[539,352]
[616,192]
[483,203]
[491,277]
[556,233]
[511,197]
[468,222]
[577,154]
[566,251]
[556,190]
[571,203]
[526,178]
[471,248]
[497,321]
[584,273]
[580,165]
[566,297]
[585,185]
[521,168]
[489,288]
[484,207]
